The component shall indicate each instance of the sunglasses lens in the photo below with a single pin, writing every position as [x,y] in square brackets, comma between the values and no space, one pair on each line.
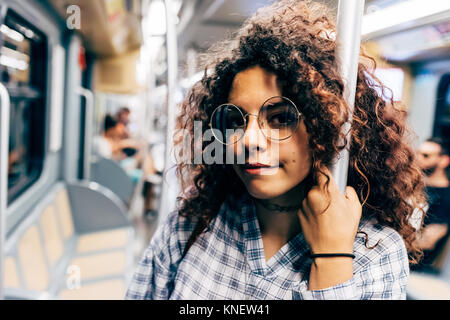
[278,118]
[228,123]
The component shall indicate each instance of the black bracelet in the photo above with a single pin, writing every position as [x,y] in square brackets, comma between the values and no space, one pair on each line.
[331,255]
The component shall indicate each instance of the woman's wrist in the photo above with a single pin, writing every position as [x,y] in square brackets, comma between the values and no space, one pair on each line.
[331,255]
[330,271]
[333,246]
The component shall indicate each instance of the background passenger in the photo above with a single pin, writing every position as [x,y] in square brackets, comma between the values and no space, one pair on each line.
[123,120]
[105,144]
[434,160]
[109,145]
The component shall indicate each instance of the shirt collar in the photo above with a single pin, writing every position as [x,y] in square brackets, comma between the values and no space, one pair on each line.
[292,256]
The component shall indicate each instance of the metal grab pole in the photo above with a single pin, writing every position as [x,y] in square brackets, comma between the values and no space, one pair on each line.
[88,117]
[348,39]
[172,69]
[4,151]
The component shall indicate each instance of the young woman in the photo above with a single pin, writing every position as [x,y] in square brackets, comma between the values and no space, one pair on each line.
[258,228]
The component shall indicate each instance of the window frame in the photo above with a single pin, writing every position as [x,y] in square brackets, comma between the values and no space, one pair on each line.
[439,122]
[40,14]
[37,143]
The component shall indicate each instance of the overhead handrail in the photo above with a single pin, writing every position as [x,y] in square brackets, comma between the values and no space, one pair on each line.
[88,130]
[4,151]
[348,39]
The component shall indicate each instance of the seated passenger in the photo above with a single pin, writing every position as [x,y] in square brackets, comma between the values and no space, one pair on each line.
[136,163]
[123,119]
[104,145]
[110,146]
[132,146]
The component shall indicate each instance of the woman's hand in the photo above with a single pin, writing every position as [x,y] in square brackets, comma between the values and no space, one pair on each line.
[329,222]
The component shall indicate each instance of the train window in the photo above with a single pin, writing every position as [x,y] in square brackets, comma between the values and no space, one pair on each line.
[442,115]
[23,65]
[392,78]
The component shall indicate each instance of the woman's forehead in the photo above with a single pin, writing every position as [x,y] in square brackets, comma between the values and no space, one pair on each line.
[253,86]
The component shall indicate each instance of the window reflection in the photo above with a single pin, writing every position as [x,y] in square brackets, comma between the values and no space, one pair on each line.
[23,61]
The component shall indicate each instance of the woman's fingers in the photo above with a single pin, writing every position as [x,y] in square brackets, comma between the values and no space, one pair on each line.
[352,197]
[320,195]
[350,193]
[323,176]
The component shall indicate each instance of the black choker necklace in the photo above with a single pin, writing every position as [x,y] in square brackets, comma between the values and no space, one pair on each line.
[276,207]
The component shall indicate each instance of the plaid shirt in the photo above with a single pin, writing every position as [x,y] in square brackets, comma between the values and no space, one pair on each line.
[228,262]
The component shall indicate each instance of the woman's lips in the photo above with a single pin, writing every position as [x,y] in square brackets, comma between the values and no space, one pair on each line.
[259,168]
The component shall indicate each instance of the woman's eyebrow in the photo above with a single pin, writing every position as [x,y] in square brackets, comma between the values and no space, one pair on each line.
[239,107]
[271,105]
[276,104]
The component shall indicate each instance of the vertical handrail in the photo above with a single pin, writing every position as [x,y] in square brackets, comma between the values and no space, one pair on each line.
[348,39]
[88,119]
[172,69]
[4,151]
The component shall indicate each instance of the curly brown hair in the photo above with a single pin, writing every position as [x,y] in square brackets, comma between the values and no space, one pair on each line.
[294,40]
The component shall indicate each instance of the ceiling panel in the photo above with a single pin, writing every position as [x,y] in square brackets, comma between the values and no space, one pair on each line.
[231,12]
[214,19]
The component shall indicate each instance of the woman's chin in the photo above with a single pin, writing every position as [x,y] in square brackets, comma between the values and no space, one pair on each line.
[265,191]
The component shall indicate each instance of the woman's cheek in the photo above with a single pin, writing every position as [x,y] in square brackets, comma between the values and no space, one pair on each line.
[296,165]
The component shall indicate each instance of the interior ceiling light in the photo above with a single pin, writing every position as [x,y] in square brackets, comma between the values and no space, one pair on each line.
[400,13]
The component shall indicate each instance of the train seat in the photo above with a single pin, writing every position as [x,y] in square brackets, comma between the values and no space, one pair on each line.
[55,254]
[113,176]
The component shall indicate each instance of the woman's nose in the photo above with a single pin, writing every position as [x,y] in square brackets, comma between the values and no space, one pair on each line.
[254,139]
